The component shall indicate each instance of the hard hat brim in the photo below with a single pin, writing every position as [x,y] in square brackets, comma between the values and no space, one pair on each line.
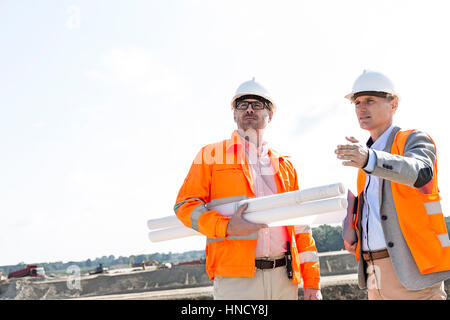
[349,96]
[381,94]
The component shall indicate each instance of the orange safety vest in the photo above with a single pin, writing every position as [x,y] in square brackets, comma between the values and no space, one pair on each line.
[220,173]
[420,216]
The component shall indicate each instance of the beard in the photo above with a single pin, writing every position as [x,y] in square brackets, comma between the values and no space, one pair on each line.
[253,121]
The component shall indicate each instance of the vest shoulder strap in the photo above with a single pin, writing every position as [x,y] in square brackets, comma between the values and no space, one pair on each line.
[398,145]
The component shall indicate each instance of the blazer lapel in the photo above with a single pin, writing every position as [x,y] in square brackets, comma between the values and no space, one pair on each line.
[387,148]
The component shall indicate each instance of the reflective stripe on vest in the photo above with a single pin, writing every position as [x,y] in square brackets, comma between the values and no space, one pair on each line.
[195,214]
[293,242]
[308,256]
[433,208]
[445,240]
[302,229]
[251,236]
[179,204]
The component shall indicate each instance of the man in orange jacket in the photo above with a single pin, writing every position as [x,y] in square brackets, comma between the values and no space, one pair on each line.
[401,240]
[247,260]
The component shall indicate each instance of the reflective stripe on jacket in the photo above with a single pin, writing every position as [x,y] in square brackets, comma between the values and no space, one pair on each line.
[221,174]
[420,217]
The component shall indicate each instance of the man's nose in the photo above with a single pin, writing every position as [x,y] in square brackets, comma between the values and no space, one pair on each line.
[250,108]
[361,106]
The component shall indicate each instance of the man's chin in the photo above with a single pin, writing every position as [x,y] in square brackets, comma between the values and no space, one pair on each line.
[249,129]
[364,126]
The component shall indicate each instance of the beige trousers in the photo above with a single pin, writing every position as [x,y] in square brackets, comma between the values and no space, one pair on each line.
[383,284]
[267,284]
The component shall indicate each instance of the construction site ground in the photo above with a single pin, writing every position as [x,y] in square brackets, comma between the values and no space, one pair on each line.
[187,282]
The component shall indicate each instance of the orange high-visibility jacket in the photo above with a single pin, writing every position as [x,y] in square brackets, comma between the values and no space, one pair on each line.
[420,216]
[220,174]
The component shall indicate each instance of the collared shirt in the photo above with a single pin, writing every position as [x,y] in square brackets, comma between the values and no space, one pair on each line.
[372,231]
[271,242]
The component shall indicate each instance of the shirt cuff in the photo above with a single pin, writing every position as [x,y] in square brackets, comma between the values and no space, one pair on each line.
[371,163]
[221,227]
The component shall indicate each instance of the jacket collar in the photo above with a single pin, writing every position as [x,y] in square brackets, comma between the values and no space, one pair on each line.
[389,139]
[236,142]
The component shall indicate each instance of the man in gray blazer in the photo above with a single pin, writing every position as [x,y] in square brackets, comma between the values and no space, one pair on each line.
[384,247]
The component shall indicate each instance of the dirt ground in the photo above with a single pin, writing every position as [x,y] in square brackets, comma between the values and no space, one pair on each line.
[188,282]
[105,284]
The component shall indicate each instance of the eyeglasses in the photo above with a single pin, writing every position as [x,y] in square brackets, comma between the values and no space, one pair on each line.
[256,105]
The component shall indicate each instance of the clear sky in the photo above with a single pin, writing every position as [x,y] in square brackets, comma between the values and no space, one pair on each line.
[104,104]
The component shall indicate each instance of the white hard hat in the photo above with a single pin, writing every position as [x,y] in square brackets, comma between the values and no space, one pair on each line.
[252,88]
[372,83]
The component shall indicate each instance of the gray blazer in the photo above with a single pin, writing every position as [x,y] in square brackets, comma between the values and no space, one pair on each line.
[414,169]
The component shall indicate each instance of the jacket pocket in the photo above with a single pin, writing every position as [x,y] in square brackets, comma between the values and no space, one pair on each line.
[227,182]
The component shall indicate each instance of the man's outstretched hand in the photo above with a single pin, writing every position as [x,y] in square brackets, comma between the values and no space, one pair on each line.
[354,154]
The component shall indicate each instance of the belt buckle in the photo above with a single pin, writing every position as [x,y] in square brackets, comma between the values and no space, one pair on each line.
[274,264]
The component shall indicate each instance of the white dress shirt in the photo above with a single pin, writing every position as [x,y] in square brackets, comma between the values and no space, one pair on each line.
[372,231]
[271,242]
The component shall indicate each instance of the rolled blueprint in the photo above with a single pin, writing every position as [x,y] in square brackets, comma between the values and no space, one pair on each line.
[289,198]
[172,233]
[334,217]
[270,216]
[302,210]
[286,199]
[165,222]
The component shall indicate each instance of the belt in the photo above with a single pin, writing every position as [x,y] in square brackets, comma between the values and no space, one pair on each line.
[374,255]
[270,264]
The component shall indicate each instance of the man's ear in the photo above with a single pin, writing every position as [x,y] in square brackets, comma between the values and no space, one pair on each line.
[394,104]
[234,115]
[270,115]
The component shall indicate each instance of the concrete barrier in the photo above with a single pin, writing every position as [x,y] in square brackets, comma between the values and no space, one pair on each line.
[337,262]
